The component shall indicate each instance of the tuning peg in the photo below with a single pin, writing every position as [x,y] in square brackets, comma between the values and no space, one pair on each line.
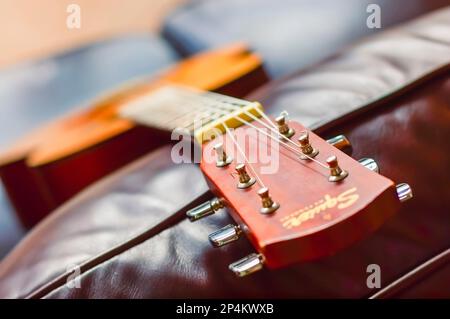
[306,147]
[336,173]
[404,192]
[339,141]
[247,265]
[268,205]
[245,180]
[283,127]
[225,235]
[205,209]
[222,158]
[369,163]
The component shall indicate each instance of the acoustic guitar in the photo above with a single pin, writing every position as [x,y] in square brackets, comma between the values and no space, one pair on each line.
[50,165]
[295,196]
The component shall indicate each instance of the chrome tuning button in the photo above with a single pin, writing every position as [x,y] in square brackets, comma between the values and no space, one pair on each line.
[222,158]
[247,265]
[225,235]
[404,192]
[336,173]
[306,147]
[369,163]
[283,126]
[340,142]
[205,209]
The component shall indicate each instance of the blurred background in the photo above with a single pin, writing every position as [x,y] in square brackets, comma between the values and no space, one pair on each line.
[47,69]
[37,28]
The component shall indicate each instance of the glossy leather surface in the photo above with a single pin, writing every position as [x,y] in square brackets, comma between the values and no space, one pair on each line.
[377,68]
[119,208]
[179,261]
[290,34]
[425,280]
[406,134]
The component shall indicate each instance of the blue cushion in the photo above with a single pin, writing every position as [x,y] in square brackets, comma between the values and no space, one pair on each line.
[290,34]
[36,92]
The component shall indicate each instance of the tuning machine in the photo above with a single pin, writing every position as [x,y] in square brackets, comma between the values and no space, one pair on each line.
[370,164]
[306,147]
[340,142]
[225,235]
[247,265]
[283,127]
[404,191]
[222,158]
[268,205]
[336,172]
[245,180]
[205,209]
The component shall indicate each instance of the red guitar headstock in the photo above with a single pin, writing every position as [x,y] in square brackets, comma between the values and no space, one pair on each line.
[308,201]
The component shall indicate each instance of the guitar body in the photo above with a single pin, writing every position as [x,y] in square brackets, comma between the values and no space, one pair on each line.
[49,166]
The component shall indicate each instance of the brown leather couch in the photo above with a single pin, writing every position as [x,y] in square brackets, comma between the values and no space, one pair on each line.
[128,237]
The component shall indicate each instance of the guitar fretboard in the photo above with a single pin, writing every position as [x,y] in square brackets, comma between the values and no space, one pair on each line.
[174,107]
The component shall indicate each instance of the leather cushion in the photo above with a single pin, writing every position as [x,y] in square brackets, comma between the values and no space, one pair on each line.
[289,34]
[138,200]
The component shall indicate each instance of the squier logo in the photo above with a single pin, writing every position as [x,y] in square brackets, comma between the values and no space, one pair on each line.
[341,201]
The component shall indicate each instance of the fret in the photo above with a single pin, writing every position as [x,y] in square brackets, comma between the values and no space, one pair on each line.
[180,107]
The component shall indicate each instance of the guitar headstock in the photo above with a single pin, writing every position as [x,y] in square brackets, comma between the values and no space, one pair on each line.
[312,201]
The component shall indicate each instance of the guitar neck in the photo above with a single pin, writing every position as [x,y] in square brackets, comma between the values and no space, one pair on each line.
[195,111]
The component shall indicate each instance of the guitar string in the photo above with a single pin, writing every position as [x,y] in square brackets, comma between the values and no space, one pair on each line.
[267,119]
[274,131]
[206,112]
[258,179]
[217,112]
[187,113]
[281,142]
[209,108]
[282,137]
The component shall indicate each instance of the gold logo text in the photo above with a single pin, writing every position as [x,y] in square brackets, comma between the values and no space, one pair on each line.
[341,201]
